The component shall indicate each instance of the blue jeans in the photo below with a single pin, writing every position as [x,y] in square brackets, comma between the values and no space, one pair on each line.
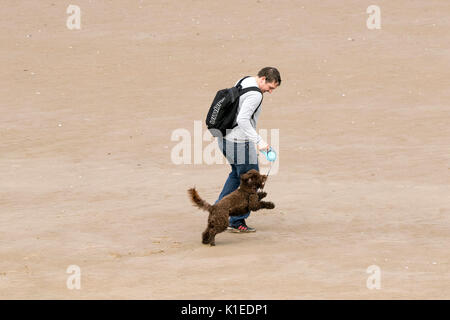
[242,158]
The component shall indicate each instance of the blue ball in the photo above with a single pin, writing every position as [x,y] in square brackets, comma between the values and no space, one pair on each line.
[271,155]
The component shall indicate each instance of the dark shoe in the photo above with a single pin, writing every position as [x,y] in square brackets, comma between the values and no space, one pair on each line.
[241,227]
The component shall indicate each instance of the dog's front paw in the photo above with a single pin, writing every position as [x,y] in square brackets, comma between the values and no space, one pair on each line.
[262,195]
[270,205]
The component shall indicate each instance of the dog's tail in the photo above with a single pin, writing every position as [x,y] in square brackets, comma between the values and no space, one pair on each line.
[197,201]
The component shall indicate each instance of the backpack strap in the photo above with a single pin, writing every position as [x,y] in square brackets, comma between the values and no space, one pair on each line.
[253,115]
[248,90]
[253,89]
[243,91]
[240,81]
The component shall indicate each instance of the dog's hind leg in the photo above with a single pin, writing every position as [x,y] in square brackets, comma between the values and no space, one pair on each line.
[206,236]
[211,237]
[217,226]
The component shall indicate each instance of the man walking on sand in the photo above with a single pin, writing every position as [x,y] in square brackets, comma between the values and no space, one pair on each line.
[241,144]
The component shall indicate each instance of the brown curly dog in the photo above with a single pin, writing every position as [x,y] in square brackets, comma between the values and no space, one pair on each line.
[246,198]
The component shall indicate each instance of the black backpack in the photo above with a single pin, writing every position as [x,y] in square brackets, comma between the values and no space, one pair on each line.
[223,110]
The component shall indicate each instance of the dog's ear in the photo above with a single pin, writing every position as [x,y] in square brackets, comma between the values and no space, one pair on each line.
[246,177]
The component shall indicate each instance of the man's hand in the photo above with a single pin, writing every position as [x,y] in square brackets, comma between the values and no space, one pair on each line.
[264,148]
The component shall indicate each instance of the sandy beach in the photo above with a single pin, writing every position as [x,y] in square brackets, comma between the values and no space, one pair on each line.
[87,173]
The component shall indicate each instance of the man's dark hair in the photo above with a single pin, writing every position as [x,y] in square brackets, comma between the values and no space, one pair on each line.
[271,74]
